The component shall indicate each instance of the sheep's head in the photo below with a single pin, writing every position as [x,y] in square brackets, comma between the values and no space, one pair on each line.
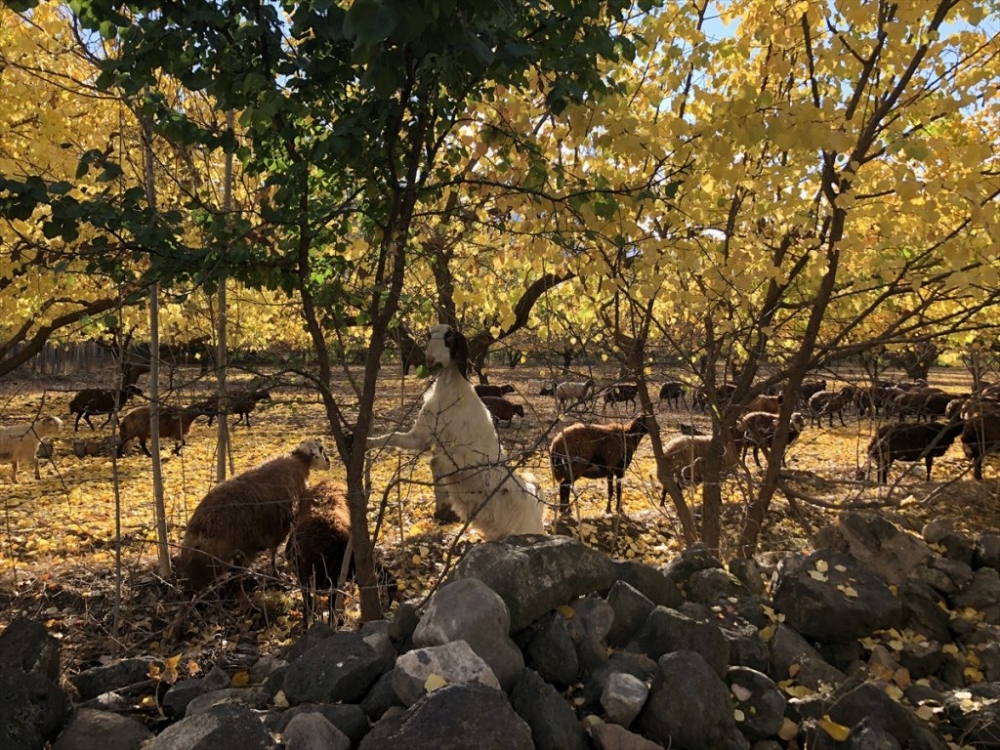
[316,456]
[446,345]
[47,426]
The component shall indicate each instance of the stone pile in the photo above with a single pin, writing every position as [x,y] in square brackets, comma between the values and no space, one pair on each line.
[882,638]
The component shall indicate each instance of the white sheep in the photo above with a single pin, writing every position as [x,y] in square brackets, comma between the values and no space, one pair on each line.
[20,442]
[469,467]
[573,392]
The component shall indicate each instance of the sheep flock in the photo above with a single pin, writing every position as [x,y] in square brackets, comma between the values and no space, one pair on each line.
[506,458]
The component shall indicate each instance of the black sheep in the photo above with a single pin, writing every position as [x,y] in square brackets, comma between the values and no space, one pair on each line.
[100,401]
[502,410]
[493,391]
[911,442]
[622,393]
[673,393]
[981,434]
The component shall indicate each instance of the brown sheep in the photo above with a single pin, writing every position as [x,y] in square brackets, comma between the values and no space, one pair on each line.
[673,393]
[174,423]
[493,391]
[828,403]
[759,428]
[20,443]
[592,451]
[100,401]
[770,404]
[320,539]
[246,514]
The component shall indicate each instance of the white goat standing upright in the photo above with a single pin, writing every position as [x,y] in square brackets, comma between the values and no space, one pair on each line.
[468,465]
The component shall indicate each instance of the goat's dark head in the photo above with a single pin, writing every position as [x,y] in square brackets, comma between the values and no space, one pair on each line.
[447,345]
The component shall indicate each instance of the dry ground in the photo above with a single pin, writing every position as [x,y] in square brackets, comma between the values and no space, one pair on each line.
[58,556]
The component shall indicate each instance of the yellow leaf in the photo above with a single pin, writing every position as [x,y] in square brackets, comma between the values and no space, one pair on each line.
[280,700]
[950,648]
[822,566]
[838,731]
[894,692]
[739,715]
[788,730]
[566,611]
[240,679]
[793,670]
[925,712]
[840,568]
[815,574]
[433,682]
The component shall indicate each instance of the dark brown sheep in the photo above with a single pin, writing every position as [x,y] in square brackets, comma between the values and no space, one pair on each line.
[759,428]
[241,403]
[673,393]
[174,423]
[100,401]
[502,410]
[246,514]
[911,442]
[622,393]
[981,434]
[493,391]
[593,451]
[827,403]
[320,539]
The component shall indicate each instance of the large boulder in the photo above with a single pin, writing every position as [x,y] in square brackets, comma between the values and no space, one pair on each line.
[454,717]
[26,645]
[102,730]
[220,728]
[534,574]
[553,723]
[341,667]
[689,706]
[32,710]
[469,610]
[424,669]
[668,630]
[832,599]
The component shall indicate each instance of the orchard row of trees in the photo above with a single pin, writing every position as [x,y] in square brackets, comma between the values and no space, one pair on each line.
[707,182]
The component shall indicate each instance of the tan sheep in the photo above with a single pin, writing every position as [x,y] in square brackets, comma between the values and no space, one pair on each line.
[20,442]
[685,457]
[174,423]
[246,514]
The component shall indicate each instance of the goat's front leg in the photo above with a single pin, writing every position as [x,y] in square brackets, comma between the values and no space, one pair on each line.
[418,438]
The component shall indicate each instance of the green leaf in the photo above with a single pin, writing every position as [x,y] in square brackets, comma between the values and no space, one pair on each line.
[369,22]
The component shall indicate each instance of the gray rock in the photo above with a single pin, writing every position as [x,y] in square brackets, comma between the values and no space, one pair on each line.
[468,610]
[181,693]
[668,630]
[316,634]
[689,706]
[934,531]
[250,697]
[349,718]
[313,732]
[839,604]
[983,593]
[856,702]
[109,677]
[456,663]
[101,730]
[748,572]
[553,723]
[712,585]
[987,551]
[692,559]
[623,698]
[341,667]
[959,548]
[265,667]
[588,628]
[923,611]
[793,658]
[655,586]
[380,698]
[455,717]
[639,666]
[921,659]
[28,646]
[614,737]
[761,702]
[877,544]
[551,651]
[219,728]
[746,647]
[975,713]
[631,608]
[535,574]
[32,710]
[404,621]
